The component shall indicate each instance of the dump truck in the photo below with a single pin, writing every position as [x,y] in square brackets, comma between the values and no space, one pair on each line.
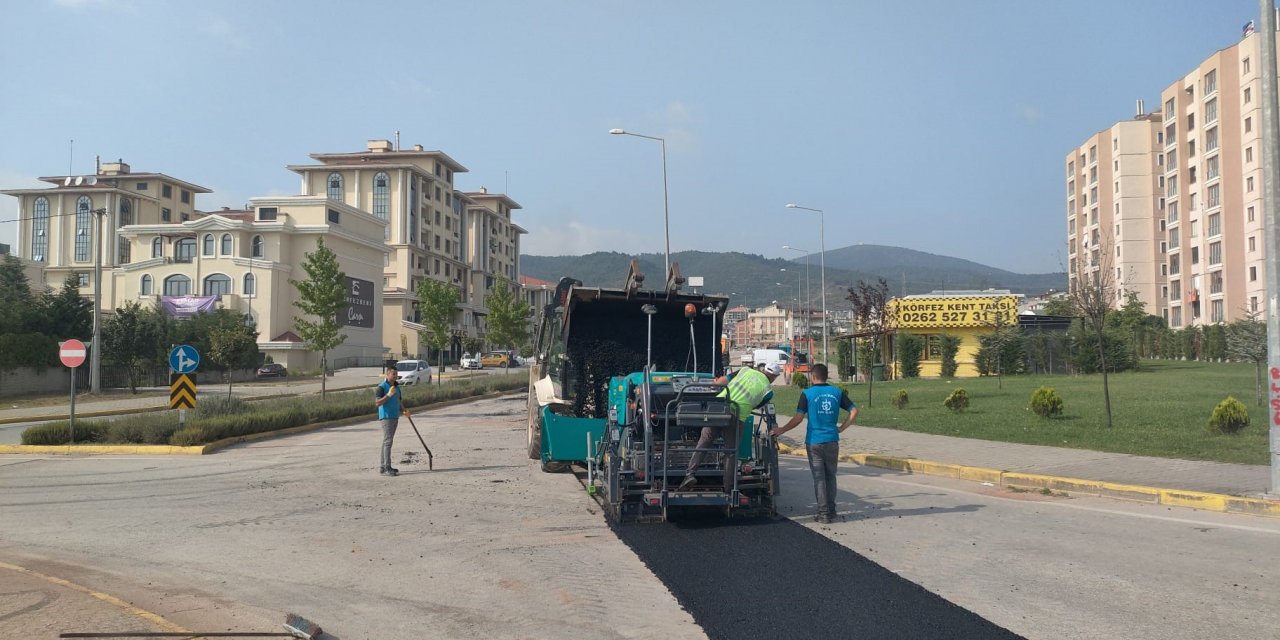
[623,382]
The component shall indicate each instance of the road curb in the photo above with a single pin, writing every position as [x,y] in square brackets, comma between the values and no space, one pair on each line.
[154,618]
[1072,486]
[212,447]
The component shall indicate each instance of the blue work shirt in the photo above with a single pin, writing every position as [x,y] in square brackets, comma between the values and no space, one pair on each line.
[390,408]
[822,404]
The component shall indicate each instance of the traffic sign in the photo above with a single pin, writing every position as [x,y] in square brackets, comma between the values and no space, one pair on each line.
[72,353]
[184,359]
[182,392]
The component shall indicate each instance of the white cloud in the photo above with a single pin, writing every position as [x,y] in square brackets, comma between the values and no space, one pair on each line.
[576,238]
[1027,112]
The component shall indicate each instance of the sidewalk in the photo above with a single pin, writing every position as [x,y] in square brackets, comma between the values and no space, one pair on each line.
[1191,475]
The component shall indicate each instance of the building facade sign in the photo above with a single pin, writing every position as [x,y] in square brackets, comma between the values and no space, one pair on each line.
[359,311]
[183,307]
[977,311]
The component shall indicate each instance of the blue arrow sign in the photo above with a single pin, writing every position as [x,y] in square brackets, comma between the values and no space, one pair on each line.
[184,358]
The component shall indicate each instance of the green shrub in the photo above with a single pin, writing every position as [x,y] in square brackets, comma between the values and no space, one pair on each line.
[909,349]
[220,405]
[900,399]
[1046,403]
[950,347]
[55,433]
[243,424]
[144,428]
[1230,416]
[958,400]
[800,380]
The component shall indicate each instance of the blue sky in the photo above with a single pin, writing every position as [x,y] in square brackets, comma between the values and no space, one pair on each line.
[938,126]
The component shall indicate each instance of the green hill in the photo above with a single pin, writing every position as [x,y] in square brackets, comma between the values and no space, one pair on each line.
[752,279]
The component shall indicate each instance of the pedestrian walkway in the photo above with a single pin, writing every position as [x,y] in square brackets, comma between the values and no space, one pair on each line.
[1192,475]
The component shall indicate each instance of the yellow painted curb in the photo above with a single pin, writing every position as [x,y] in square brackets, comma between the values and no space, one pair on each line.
[205,449]
[1139,493]
[153,618]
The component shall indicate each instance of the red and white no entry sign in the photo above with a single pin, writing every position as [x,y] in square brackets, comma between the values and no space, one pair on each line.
[72,353]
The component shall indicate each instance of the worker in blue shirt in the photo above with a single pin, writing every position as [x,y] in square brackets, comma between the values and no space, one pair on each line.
[821,404]
[387,400]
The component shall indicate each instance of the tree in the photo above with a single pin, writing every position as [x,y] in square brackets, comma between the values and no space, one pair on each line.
[17,303]
[1247,340]
[873,316]
[1001,349]
[233,348]
[133,338]
[507,324]
[66,314]
[321,296]
[437,303]
[1059,307]
[844,356]
[909,349]
[950,347]
[1092,291]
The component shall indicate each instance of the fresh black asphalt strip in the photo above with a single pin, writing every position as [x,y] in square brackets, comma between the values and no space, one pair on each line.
[764,579]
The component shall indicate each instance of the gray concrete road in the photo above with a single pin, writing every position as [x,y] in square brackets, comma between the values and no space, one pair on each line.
[1053,567]
[485,545]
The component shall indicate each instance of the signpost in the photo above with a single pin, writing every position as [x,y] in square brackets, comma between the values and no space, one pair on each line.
[183,360]
[72,353]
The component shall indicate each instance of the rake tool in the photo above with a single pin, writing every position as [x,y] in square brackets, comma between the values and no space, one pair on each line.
[430,458]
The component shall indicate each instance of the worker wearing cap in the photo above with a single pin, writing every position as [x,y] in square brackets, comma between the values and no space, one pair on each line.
[747,389]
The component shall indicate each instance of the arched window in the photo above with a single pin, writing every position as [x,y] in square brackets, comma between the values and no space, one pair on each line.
[124,248]
[126,213]
[226,244]
[177,285]
[335,186]
[184,250]
[83,205]
[40,230]
[258,248]
[207,249]
[145,287]
[381,194]
[250,287]
[157,248]
[217,284]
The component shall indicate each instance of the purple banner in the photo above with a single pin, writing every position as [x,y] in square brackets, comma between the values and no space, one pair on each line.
[183,307]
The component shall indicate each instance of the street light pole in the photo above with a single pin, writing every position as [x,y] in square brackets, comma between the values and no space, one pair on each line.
[95,351]
[808,297]
[666,215]
[822,237]
[1271,219]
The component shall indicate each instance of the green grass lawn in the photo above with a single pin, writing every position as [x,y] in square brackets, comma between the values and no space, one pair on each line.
[1160,410]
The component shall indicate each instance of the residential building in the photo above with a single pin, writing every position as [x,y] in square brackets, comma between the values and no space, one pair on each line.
[732,317]
[768,326]
[537,294]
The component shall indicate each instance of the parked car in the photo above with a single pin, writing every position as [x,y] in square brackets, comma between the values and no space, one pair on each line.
[469,361]
[413,372]
[272,370]
[496,359]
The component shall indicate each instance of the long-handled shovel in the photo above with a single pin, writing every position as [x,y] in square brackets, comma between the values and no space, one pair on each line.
[430,458]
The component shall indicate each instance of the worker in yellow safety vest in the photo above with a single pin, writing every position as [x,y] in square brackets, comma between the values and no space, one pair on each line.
[746,389]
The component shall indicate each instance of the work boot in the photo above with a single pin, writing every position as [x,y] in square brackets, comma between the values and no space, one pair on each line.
[688,483]
[389,472]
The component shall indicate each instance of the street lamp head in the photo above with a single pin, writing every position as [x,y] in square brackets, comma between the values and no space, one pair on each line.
[617,132]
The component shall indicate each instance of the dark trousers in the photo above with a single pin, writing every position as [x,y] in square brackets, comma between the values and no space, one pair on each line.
[822,461]
[388,434]
[705,439]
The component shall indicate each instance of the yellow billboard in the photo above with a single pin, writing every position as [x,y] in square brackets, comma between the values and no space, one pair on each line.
[958,311]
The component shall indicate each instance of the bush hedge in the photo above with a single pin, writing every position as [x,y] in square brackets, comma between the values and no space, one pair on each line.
[227,418]
[800,380]
[958,400]
[900,399]
[1046,403]
[1230,416]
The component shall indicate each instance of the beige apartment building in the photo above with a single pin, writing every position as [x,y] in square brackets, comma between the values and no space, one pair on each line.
[1189,241]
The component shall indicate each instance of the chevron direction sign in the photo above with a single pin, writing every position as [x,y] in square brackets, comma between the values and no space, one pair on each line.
[182,392]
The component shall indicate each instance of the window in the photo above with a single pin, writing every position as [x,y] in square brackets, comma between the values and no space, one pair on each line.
[1195,255]
[183,217]
[381,195]
[1210,141]
[145,286]
[1191,175]
[1215,282]
[1211,168]
[1170,135]
[1175,289]
[1252,245]
[1195,228]
[1244,66]
[184,250]
[257,244]
[226,245]
[1248,125]
[1253,274]
[334,189]
[1211,111]
[1175,264]
[82,279]
[1191,147]
[1093,175]
[1213,198]
[1093,154]
[1215,253]
[250,285]
[166,214]
[1248,154]
[1173,212]
[1215,311]
[83,206]
[1215,224]
[40,229]
[207,245]
[1191,121]
[1210,82]
[266,214]
[141,186]
[166,191]
[1168,109]
[217,284]
[177,285]
[157,248]
[1173,159]
[186,197]
[1177,317]
[1249,214]
[1173,239]
[1253,303]
[1171,186]
[333,216]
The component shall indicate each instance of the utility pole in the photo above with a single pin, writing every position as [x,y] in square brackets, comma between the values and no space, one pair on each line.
[1270,200]
[95,350]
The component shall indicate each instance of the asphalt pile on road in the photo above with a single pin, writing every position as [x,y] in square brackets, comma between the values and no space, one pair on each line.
[778,579]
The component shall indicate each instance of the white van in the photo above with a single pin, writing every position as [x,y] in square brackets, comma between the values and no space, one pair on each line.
[765,356]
